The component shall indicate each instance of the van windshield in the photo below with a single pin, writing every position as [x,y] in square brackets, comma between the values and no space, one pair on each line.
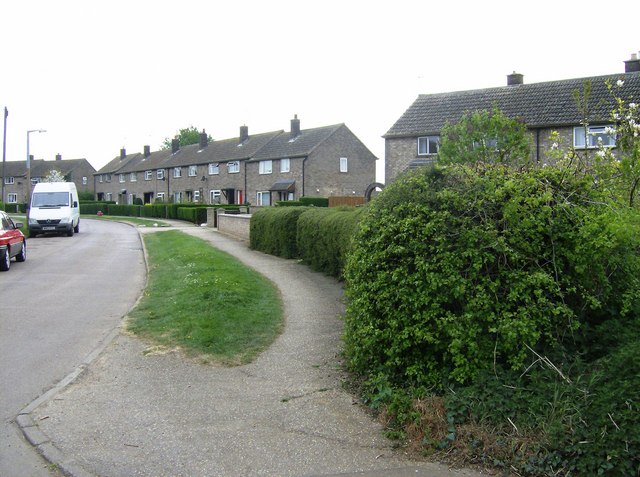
[50,199]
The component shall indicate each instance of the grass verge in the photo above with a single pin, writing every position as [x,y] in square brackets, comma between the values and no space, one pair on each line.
[134,220]
[205,302]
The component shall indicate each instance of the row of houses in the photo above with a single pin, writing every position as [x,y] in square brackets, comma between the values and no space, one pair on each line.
[264,168]
[258,169]
[15,176]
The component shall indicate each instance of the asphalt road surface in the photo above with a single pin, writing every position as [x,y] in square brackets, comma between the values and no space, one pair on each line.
[55,309]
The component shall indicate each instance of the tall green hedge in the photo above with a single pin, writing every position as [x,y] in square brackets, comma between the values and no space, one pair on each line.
[273,230]
[325,236]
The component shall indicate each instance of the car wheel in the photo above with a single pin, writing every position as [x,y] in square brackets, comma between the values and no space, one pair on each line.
[22,256]
[5,263]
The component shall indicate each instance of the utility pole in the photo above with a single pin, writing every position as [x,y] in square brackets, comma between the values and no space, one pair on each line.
[4,153]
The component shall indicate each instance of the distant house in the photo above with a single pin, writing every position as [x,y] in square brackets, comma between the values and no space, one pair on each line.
[258,169]
[545,107]
[79,171]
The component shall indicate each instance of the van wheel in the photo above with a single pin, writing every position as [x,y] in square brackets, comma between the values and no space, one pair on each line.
[76,229]
[5,263]
[70,232]
[22,256]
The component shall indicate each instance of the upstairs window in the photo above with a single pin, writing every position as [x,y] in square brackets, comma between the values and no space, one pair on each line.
[594,136]
[84,180]
[214,168]
[9,180]
[147,175]
[285,165]
[233,166]
[193,171]
[133,177]
[160,174]
[121,178]
[344,164]
[428,145]
[177,172]
[266,167]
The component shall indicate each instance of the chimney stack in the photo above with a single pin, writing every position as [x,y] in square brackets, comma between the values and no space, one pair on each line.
[175,145]
[203,139]
[515,79]
[123,153]
[147,151]
[58,157]
[295,127]
[244,133]
[632,65]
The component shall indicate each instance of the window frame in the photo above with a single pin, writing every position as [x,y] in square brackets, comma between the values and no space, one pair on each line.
[265,167]
[259,198]
[215,194]
[193,171]
[591,134]
[9,180]
[15,197]
[177,172]
[160,174]
[133,177]
[214,168]
[121,178]
[344,164]
[284,161]
[427,141]
[160,196]
[233,167]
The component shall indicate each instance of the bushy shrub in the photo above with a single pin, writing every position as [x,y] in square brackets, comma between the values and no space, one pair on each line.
[455,271]
[197,215]
[273,230]
[325,236]
[123,210]
[315,201]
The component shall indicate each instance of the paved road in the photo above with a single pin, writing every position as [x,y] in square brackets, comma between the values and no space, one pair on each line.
[55,309]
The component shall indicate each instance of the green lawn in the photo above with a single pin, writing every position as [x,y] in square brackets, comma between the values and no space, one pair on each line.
[205,302]
[134,220]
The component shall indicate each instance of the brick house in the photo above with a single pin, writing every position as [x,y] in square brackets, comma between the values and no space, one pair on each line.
[258,169]
[545,107]
[79,171]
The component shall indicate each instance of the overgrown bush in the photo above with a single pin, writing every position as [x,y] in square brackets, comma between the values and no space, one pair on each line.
[315,201]
[515,296]
[325,236]
[273,230]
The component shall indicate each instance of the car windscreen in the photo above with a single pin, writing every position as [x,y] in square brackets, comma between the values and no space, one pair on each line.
[50,199]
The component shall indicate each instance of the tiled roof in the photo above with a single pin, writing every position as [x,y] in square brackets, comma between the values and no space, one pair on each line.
[303,145]
[545,104]
[40,167]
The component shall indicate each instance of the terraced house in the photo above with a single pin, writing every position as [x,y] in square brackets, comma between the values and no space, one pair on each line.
[257,169]
[544,107]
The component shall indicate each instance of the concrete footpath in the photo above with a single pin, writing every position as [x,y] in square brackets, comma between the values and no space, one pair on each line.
[133,410]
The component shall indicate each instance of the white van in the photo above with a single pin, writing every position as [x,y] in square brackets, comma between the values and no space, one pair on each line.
[54,208]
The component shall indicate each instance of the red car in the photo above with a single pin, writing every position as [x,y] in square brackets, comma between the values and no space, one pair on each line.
[12,242]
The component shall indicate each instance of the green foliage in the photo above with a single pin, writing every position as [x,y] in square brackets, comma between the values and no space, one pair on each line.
[485,137]
[456,270]
[186,136]
[325,236]
[197,215]
[315,201]
[123,210]
[86,196]
[273,231]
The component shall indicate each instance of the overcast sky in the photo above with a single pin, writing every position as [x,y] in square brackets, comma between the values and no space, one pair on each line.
[99,76]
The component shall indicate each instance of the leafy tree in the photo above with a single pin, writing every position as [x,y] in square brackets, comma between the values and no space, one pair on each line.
[190,135]
[54,176]
[485,137]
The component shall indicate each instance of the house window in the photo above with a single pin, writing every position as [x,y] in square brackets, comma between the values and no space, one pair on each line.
[285,165]
[284,196]
[133,177]
[264,198]
[344,164]
[428,145]
[594,136]
[108,178]
[193,171]
[177,172]
[147,175]
[215,196]
[214,168]
[9,180]
[160,174]
[84,180]
[196,196]
[234,167]
[130,199]
[266,167]
[35,180]
[160,197]
[121,178]
[109,197]
[177,197]
[100,178]
[12,198]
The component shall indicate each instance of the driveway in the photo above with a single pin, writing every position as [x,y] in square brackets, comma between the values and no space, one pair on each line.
[139,412]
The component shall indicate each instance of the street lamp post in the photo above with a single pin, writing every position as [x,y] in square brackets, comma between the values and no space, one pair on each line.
[29,165]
